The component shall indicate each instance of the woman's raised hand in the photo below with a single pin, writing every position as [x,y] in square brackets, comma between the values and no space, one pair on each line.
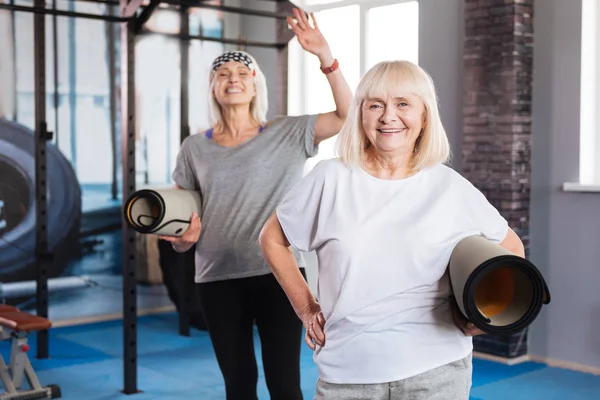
[310,37]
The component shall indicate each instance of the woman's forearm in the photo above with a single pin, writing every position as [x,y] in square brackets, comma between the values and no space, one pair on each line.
[342,95]
[281,261]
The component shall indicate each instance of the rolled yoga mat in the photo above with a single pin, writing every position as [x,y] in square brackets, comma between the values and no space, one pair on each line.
[500,292]
[165,212]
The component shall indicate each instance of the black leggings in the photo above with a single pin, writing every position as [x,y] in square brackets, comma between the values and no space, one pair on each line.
[230,309]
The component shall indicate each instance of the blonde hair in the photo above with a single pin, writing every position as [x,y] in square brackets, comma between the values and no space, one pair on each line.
[259,106]
[385,79]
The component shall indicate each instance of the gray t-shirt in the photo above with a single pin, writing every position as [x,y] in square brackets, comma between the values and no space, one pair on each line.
[241,187]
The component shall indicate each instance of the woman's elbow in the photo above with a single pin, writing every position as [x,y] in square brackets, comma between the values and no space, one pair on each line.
[341,114]
[520,249]
[267,234]
[513,243]
[263,237]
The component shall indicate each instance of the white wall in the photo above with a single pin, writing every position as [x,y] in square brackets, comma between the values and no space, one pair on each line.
[565,227]
[441,36]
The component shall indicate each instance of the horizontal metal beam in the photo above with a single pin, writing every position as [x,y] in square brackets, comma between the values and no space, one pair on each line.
[145,15]
[235,10]
[108,2]
[46,11]
[218,40]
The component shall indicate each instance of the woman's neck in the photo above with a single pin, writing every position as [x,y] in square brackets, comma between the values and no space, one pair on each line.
[388,166]
[237,121]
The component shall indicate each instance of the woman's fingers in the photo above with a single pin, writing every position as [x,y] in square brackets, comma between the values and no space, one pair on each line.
[192,233]
[321,319]
[309,341]
[314,20]
[304,18]
[195,224]
[301,20]
[293,25]
[318,334]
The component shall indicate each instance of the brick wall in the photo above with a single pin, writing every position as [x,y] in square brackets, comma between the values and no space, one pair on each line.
[498,55]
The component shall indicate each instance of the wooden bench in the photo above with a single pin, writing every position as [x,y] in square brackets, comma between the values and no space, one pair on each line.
[15,325]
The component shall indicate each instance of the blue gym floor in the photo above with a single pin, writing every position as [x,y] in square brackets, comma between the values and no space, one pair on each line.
[86,362]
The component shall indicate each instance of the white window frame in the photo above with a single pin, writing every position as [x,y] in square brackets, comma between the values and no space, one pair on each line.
[364,6]
[589,146]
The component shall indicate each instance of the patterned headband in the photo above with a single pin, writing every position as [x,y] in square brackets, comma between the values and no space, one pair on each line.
[233,56]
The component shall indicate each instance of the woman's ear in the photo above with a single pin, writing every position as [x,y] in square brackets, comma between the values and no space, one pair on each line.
[424,122]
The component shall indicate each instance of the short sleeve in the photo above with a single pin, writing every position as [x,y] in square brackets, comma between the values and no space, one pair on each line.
[184,174]
[301,129]
[300,211]
[481,215]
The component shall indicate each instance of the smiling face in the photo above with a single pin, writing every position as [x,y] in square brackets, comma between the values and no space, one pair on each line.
[233,84]
[392,123]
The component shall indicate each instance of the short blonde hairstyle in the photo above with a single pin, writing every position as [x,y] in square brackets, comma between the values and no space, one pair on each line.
[387,79]
[259,106]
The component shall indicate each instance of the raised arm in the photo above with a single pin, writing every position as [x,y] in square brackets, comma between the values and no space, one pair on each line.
[312,40]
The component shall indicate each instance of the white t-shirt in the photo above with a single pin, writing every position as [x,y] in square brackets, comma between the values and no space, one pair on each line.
[383,247]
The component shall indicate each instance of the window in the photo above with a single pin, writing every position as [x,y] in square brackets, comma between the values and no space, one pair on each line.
[382,25]
[589,167]
[360,34]
[81,118]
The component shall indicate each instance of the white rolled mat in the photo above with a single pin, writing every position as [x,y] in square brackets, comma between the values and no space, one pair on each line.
[500,292]
[165,212]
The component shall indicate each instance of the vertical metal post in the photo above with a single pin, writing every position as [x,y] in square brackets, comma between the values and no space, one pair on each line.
[41,136]
[14,60]
[184,49]
[184,67]
[72,83]
[55,63]
[112,81]
[128,169]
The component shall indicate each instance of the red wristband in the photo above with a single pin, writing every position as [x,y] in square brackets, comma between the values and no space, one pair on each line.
[328,70]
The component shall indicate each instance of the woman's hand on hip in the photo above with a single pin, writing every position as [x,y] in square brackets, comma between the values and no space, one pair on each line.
[466,326]
[310,38]
[190,237]
[314,323]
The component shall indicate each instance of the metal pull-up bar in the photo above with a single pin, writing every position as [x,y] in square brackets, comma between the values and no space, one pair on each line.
[235,10]
[51,11]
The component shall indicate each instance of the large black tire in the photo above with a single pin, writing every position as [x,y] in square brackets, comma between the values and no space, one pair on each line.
[17,190]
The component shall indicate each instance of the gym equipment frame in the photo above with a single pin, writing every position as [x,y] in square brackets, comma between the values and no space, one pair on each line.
[131,17]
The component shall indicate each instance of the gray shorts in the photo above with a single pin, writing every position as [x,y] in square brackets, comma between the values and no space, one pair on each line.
[448,382]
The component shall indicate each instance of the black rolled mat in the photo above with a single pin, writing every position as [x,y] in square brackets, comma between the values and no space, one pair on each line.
[162,211]
[500,292]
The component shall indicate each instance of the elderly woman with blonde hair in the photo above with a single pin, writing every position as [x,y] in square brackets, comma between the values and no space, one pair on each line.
[383,219]
[243,165]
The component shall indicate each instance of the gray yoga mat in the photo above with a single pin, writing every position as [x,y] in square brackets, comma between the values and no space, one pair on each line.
[500,292]
[163,211]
